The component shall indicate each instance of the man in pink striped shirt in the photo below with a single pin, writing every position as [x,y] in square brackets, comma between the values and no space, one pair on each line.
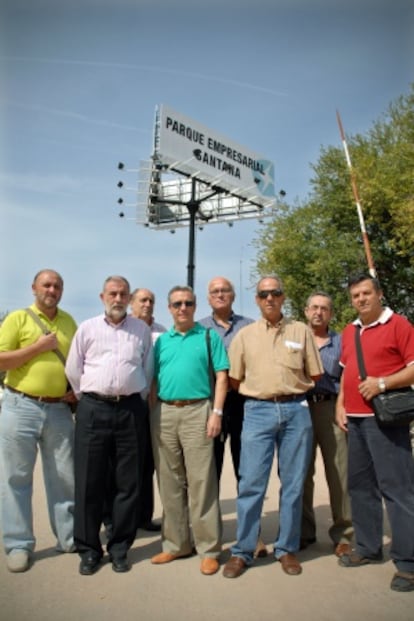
[110,367]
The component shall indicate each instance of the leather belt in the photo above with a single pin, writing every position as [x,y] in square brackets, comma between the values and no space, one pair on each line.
[282,398]
[34,397]
[108,398]
[180,403]
[317,397]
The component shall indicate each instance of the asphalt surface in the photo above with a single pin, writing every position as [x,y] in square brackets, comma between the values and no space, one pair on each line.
[54,590]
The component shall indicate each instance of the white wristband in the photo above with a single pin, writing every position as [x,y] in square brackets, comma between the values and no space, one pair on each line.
[218,412]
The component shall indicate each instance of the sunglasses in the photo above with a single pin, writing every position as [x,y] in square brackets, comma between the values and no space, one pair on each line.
[186,303]
[275,293]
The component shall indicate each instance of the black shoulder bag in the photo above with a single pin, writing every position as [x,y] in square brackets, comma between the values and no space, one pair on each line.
[392,408]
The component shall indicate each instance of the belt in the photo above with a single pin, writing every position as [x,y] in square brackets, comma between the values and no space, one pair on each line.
[180,403]
[108,398]
[317,397]
[36,398]
[282,398]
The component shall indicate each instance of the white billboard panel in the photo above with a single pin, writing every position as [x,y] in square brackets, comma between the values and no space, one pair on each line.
[192,149]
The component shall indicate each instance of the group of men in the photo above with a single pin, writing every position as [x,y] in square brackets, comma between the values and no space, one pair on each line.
[271,384]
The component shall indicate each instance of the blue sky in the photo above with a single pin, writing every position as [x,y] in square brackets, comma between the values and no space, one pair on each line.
[80,83]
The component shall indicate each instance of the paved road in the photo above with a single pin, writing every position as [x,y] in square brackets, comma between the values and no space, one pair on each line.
[54,590]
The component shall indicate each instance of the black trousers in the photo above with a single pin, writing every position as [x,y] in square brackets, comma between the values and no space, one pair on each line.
[146,496]
[107,434]
[232,424]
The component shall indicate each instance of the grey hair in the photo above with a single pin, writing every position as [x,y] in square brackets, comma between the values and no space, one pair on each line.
[116,279]
[138,289]
[322,294]
[185,288]
[273,276]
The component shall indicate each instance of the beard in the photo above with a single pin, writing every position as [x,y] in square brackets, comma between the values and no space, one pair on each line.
[116,311]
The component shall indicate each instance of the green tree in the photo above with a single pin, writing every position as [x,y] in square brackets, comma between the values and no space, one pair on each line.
[317,244]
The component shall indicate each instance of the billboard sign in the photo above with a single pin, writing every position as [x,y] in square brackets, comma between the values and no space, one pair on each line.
[192,149]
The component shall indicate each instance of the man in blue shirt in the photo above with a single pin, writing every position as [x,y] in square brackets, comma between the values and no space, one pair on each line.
[226,323]
[326,434]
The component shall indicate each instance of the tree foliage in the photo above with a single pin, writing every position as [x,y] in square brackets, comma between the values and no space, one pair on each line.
[317,244]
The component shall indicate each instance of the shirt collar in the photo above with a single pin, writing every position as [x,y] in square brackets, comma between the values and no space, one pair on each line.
[385,316]
[114,325]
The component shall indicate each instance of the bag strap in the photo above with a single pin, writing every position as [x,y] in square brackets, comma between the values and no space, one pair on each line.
[360,357]
[45,330]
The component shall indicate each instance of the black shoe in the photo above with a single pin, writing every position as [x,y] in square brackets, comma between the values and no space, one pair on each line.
[152,527]
[89,565]
[357,560]
[120,565]
[304,543]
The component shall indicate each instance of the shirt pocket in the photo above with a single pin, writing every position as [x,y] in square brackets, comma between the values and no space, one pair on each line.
[293,354]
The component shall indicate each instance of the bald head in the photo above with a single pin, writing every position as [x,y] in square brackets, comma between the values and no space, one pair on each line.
[142,305]
[221,295]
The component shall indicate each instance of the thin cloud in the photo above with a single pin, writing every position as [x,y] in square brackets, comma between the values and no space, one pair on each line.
[151,68]
[47,184]
[71,115]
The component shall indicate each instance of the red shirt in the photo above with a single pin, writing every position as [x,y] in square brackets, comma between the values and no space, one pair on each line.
[387,346]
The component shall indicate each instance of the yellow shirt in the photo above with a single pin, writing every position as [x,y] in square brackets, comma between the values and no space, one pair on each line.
[43,375]
[271,361]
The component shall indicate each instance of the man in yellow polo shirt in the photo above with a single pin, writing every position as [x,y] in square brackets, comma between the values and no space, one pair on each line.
[36,414]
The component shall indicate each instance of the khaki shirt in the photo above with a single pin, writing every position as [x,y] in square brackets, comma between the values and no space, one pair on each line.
[271,361]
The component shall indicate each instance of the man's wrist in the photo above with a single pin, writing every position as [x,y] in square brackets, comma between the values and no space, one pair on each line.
[218,412]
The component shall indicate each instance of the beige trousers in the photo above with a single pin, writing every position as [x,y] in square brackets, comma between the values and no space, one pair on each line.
[187,479]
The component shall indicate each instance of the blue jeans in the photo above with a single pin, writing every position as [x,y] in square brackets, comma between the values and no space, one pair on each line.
[380,465]
[25,425]
[266,426]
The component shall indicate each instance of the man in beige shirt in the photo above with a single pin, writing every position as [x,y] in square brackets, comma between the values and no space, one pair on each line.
[273,362]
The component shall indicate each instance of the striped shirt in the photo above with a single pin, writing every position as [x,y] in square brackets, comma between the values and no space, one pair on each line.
[330,354]
[111,359]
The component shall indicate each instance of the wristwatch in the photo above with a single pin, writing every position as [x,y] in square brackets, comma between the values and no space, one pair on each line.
[218,412]
[381,384]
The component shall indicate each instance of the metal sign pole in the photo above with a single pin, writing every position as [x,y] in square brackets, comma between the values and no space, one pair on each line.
[192,206]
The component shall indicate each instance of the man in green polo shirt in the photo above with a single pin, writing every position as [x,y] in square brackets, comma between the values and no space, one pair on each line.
[185,419]
[36,415]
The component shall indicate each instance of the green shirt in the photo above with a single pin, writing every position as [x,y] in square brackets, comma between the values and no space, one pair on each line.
[43,375]
[181,363]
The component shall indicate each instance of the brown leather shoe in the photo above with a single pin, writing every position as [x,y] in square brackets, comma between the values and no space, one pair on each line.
[343,548]
[261,550]
[164,557]
[209,566]
[234,567]
[290,564]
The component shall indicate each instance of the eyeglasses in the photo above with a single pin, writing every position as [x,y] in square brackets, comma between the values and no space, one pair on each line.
[215,292]
[186,303]
[275,293]
[315,307]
